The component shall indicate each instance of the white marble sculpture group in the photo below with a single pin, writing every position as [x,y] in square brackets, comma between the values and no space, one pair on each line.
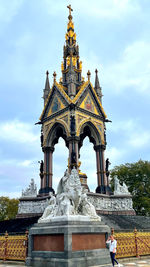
[120,189]
[71,201]
[31,190]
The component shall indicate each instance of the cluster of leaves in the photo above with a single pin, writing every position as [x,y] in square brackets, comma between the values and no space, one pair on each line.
[8,208]
[137,177]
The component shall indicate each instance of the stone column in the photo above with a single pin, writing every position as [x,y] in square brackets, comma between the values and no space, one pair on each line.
[73,152]
[44,178]
[103,184]
[47,152]
[46,183]
[77,152]
[104,164]
[100,169]
[50,179]
[70,151]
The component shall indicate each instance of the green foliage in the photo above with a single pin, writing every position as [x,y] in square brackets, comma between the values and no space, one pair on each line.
[137,177]
[8,208]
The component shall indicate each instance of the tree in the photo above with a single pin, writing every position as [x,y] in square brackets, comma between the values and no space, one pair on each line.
[8,208]
[137,177]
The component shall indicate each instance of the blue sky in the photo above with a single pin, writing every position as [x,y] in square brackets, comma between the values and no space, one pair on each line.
[114,37]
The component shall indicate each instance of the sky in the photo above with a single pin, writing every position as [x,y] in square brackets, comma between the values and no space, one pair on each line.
[114,37]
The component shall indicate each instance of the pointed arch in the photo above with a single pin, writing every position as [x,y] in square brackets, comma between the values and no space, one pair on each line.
[57,130]
[89,129]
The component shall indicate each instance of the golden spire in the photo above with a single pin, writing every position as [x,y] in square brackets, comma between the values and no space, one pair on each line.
[71,54]
[70,35]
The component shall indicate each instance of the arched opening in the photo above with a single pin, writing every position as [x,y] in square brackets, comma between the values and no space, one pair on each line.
[50,171]
[88,163]
[89,137]
[60,161]
[88,129]
[58,130]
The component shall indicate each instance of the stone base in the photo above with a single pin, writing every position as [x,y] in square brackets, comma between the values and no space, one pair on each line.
[45,191]
[104,190]
[79,218]
[68,244]
[83,180]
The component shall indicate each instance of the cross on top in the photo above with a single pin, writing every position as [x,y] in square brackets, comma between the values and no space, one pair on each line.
[70,9]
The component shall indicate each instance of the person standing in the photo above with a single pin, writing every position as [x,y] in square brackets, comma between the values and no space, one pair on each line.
[112,248]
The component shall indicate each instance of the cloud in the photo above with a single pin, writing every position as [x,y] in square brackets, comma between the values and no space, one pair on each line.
[132,70]
[115,154]
[132,132]
[140,140]
[126,126]
[17,131]
[16,163]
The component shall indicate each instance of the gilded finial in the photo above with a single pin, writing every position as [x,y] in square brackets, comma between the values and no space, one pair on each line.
[54,75]
[88,74]
[70,9]
[80,65]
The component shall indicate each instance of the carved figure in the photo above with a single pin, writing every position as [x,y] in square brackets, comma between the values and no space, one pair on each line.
[50,209]
[72,125]
[86,208]
[107,167]
[31,190]
[65,206]
[42,138]
[41,167]
[68,193]
[120,189]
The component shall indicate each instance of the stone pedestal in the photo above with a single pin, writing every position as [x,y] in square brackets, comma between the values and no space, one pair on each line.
[83,180]
[68,244]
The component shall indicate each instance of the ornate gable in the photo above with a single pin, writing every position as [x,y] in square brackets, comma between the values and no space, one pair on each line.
[55,105]
[56,101]
[88,101]
[89,104]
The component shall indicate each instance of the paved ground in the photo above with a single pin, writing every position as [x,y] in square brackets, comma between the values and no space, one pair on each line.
[133,262]
[126,263]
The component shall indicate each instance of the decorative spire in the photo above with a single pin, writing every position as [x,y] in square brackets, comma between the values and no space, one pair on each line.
[47,87]
[89,75]
[71,67]
[70,35]
[97,86]
[54,75]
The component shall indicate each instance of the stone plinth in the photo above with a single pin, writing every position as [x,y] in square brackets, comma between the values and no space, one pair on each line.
[68,244]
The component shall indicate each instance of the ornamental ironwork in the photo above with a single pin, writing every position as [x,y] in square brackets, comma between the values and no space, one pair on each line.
[133,244]
[13,247]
